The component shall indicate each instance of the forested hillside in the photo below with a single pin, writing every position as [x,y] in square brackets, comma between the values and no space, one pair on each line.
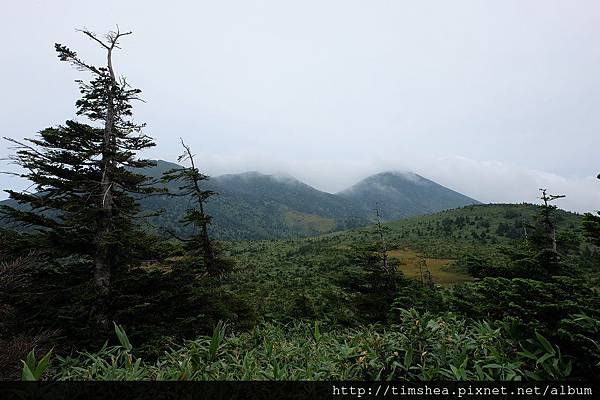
[252,205]
[257,206]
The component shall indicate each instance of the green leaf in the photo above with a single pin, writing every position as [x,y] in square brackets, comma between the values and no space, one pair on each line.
[527,354]
[480,373]
[408,358]
[456,372]
[544,358]
[122,336]
[545,343]
[493,366]
[216,340]
[317,332]
[26,374]
[30,359]
[42,365]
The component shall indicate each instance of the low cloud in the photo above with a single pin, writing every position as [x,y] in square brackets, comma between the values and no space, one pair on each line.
[497,182]
[486,181]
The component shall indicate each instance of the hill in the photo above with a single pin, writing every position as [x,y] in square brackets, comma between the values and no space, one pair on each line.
[258,206]
[252,205]
[403,194]
[308,271]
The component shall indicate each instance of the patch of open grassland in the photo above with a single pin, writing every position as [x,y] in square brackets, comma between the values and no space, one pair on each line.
[412,264]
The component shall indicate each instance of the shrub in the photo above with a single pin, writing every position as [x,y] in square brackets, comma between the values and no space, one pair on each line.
[420,346]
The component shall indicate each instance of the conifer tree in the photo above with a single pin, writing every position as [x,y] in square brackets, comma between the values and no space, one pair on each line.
[591,226]
[191,179]
[547,220]
[378,282]
[56,162]
[383,250]
[82,174]
[539,259]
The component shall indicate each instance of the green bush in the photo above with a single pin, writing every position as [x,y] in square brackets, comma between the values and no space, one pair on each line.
[565,309]
[420,346]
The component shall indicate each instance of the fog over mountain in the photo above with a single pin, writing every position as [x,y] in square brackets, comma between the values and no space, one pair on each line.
[252,205]
[403,194]
[492,99]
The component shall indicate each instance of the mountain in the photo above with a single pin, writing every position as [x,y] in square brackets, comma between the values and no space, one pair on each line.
[403,194]
[252,205]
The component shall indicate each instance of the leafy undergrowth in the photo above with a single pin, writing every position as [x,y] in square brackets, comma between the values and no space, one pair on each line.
[420,347]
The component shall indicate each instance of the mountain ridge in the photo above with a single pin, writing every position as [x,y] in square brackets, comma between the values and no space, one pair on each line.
[254,205]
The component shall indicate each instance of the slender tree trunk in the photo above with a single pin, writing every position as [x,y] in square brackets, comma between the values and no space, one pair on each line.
[103,261]
[208,254]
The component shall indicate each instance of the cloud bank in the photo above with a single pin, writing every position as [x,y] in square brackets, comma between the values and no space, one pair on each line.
[492,99]
[486,181]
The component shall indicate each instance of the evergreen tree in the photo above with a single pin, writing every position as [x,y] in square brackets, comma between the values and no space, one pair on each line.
[378,281]
[63,179]
[540,259]
[84,184]
[191,179]
[591,226]
[547,219]
[383,249]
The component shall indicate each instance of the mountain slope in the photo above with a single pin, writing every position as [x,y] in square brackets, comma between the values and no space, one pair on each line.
[252,205]
[403,194]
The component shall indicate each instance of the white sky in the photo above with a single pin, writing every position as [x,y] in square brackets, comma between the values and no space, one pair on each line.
[491,98]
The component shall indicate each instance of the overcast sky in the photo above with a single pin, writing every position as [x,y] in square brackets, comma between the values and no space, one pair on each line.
[491,98]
